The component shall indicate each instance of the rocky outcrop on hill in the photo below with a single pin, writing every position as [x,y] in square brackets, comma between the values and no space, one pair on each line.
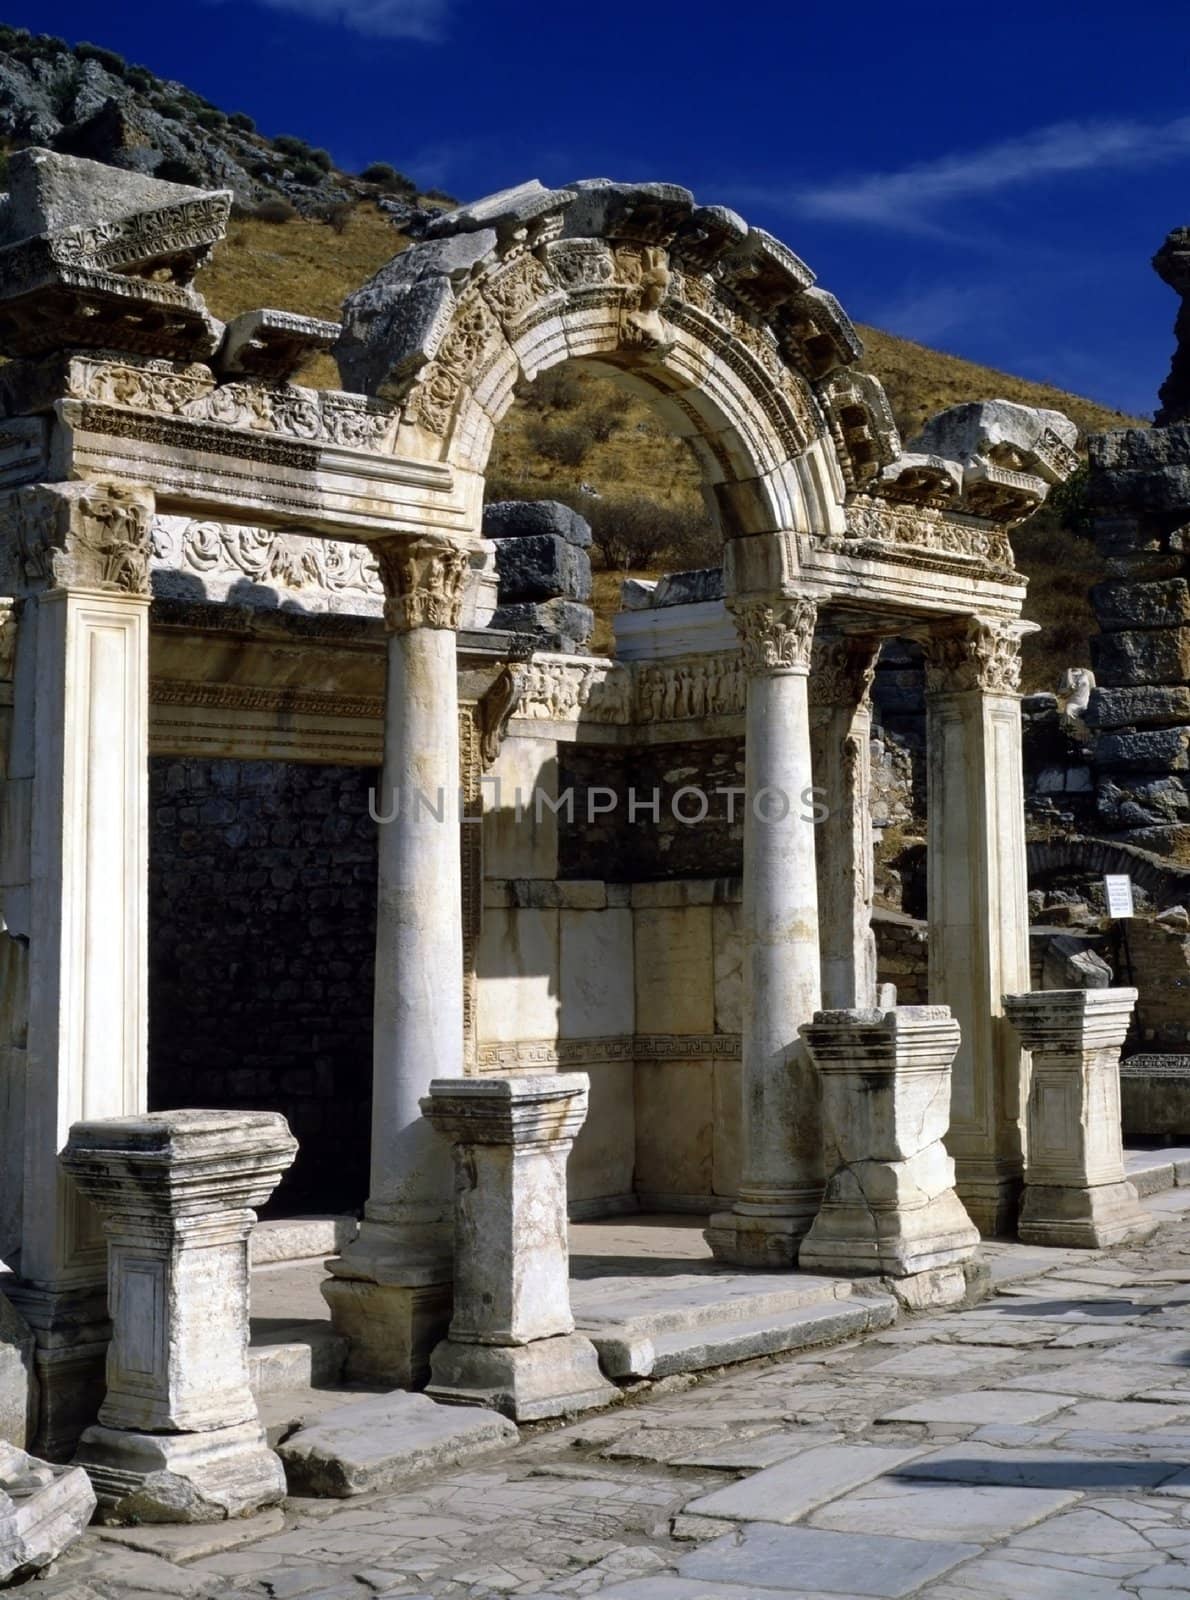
[89,102]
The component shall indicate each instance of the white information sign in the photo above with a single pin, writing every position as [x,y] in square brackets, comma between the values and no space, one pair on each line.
[1117,888]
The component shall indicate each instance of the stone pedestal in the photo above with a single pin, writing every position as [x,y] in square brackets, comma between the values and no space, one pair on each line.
[841,673]
[179,1437]
[512,1343]
[977,893]
[890,1205]
[781,1182]
[74,882]
[389,1293]
[1076,1192]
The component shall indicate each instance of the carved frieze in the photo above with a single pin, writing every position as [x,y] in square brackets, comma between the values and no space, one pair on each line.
[423,582]
[223,555]
[565,688]
[699,686]
[84,536]
[876,527]
[976,654]
[462,357]
[775,635]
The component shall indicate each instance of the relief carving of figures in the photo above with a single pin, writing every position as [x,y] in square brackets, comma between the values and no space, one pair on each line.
[704,687]
[976,655]
[775,635]
[289,560]
[86,536]
[423,581]
[563,689]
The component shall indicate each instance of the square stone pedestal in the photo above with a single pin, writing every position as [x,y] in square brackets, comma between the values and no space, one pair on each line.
[1076,1191]
[512,1343]
[179,1436]
[890,1206]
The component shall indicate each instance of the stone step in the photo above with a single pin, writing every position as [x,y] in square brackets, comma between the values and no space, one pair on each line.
[300,1238]
[1153,1171]
[643,1307]
[703,1345]
[295,1355]
[284,1411]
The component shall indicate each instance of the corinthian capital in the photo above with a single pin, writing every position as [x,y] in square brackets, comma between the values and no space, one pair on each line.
[775,635]
[842,669]
[423,580]
[96,536]
[975,654]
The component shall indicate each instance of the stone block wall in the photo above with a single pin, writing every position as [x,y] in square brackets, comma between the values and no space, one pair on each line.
[262,928]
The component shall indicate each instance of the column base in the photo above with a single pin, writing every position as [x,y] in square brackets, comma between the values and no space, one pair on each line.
[895,1243]
[991,1199]
[72,1333]
[1084,1219]
[753,1235]
[391,1329]
[547,1378]
[181,1477]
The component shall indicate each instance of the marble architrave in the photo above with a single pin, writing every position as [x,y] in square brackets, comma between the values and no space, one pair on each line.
[179,1438]
[1076,1191]
[890,1205]
[512,1343]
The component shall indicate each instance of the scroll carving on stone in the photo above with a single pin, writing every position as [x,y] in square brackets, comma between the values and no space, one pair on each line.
[423,582]
[293,562]
[775,635]
[460,359]
[842,671]
[979,655]
[86,536]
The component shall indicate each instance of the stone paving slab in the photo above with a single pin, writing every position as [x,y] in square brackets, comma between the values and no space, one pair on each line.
[804,1561]
[940,1511]
[787,1491]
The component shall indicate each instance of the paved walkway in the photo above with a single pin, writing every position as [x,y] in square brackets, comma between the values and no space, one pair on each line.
[1037,1446]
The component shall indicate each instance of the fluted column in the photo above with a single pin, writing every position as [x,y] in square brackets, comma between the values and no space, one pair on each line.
[841,674]
[781,1182]
[977,894]
[390,1290]
[74,881]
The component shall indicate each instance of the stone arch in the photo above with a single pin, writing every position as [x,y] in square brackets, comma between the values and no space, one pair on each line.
[717,324]
[1165,881]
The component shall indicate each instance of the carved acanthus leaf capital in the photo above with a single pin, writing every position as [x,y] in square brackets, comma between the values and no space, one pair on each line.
[424,581]
[976,655]
[775,635]
[94,536]
[842,671]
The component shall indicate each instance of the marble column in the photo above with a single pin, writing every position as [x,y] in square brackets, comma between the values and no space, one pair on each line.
[890,1205]
[1076,1190]
[781,1182]
[512,1343]
[179,1438]
[389,1292]
[74,885]
[977,899]
[841,673]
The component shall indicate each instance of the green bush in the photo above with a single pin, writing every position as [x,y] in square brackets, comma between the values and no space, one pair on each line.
[275,210]
[288,145]
[337,214]
[567,445]
[242,121]
[307,173]
[172,110]
[211,119]
[111,59]
[140,78]
[632,533]
[322,158]
[174,171]
[378,172]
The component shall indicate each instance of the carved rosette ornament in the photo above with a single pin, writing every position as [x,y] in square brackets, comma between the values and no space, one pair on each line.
[775,635]
[424,581]
[95,536]
[978,655]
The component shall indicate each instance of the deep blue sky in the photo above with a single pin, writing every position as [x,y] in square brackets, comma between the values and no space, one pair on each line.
[988,179]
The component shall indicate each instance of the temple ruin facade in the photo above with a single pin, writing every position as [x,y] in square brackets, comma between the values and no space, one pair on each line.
[652,869]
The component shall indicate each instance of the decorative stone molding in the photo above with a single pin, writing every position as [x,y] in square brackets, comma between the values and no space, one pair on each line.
[512,1343]
[179,1437]
[977,654]
[536,1055]
[560,688]
[1076,1189]
[423,582]
[876,527]
[85,536]
[223,555]
[775,635]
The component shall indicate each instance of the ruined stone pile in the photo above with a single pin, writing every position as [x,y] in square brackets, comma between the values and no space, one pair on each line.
[544,571]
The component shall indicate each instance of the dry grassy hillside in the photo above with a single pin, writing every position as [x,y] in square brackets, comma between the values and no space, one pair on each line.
[578,439]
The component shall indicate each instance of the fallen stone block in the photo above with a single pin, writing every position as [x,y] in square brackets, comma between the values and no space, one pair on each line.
[542,566]
[377,1443]
[563,624]
[42,1510]
[524,519]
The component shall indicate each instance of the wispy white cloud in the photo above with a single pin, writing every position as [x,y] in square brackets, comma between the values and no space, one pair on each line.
[929,313]
[909,200]
[377,19]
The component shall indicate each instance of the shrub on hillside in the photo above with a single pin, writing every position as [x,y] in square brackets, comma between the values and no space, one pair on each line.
[111,59]
[211,119]
[140,78]
[275,210]
[288,145]
[567,445]
[632,533]
[172,110]
[337,214]
[242,121]
[307,173]
[174,171]
[559,389]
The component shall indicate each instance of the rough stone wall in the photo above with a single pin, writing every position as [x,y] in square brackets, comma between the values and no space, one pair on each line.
[902,956]
[1159,955]
[262,926]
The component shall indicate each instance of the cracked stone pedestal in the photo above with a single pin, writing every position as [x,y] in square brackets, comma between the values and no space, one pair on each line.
[1076,1192]
[179,1437]
[890,1206]
[42,1510]
[512,1344]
